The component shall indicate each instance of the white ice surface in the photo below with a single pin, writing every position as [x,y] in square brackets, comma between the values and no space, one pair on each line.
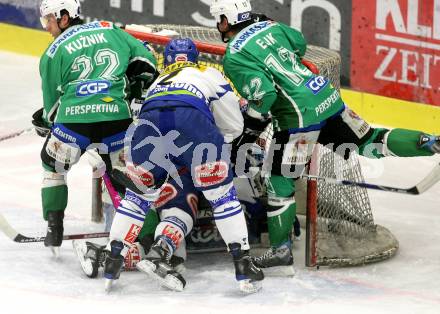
[32,282]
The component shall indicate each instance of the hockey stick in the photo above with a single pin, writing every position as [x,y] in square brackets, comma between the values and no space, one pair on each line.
[15,134]
[15,236]
[114,195]
[96,161]
[425,184]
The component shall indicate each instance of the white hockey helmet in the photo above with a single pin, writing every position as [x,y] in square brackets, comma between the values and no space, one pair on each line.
[236,11]
[55,7]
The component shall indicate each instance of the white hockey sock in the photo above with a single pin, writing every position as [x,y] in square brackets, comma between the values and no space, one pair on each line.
[228,215]
[174,226]
[233,229]
[128,220]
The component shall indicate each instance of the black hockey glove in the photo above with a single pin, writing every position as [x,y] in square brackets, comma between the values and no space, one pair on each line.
[253,126]
[251,131]
[41,126]
[140,84]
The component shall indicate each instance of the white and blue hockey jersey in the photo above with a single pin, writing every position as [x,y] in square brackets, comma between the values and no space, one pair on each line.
[204,88]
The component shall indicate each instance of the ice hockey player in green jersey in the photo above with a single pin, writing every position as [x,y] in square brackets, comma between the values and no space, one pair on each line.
[263,60]
[86,73]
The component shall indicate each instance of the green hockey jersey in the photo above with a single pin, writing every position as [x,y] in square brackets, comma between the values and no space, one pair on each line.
[263,61]
[85,73]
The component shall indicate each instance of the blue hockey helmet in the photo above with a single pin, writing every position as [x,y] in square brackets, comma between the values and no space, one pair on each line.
[180,50]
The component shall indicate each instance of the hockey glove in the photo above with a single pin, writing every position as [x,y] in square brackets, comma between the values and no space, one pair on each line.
[254,126]
[252,129]
[136,106]
[140,84]
[41,127]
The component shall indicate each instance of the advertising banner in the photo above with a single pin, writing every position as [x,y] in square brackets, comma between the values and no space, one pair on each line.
[396,49]
[20,12]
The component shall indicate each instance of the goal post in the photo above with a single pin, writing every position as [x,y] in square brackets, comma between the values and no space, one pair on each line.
[339,222]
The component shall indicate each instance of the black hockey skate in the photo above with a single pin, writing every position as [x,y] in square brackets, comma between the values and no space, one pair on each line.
[55,230]
[157,265]
[113,264]
[430,142]
[277,261]
[247,274]
[90,255]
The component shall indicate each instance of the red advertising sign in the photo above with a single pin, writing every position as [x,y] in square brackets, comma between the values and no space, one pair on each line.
[396,49]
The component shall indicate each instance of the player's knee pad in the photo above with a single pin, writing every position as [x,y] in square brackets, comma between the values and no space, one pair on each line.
[174,226]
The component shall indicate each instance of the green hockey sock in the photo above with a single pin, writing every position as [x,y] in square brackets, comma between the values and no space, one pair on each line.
[150,223]
[54,199]
[281,209]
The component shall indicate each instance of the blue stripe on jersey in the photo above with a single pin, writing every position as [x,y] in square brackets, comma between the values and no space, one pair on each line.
[228,209]
[130,215]
[177,222]
[131,210]
[227,89]
[228,215]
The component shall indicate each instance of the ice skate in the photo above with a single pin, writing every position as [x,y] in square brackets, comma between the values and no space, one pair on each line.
[113,264]
[157,265]
[249,276]
[277,261]
[55,230]
[90,255]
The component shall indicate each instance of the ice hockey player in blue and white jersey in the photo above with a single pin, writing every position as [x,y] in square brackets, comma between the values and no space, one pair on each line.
[189,116]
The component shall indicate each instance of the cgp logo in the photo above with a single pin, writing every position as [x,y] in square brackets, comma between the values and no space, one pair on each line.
[244,16]
[92,88]
[316,84]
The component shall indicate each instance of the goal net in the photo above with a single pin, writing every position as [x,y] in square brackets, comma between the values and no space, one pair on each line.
[340,225]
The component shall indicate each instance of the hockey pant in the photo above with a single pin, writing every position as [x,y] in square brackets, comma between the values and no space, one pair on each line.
[63,148]
[343,133]
[165,144]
